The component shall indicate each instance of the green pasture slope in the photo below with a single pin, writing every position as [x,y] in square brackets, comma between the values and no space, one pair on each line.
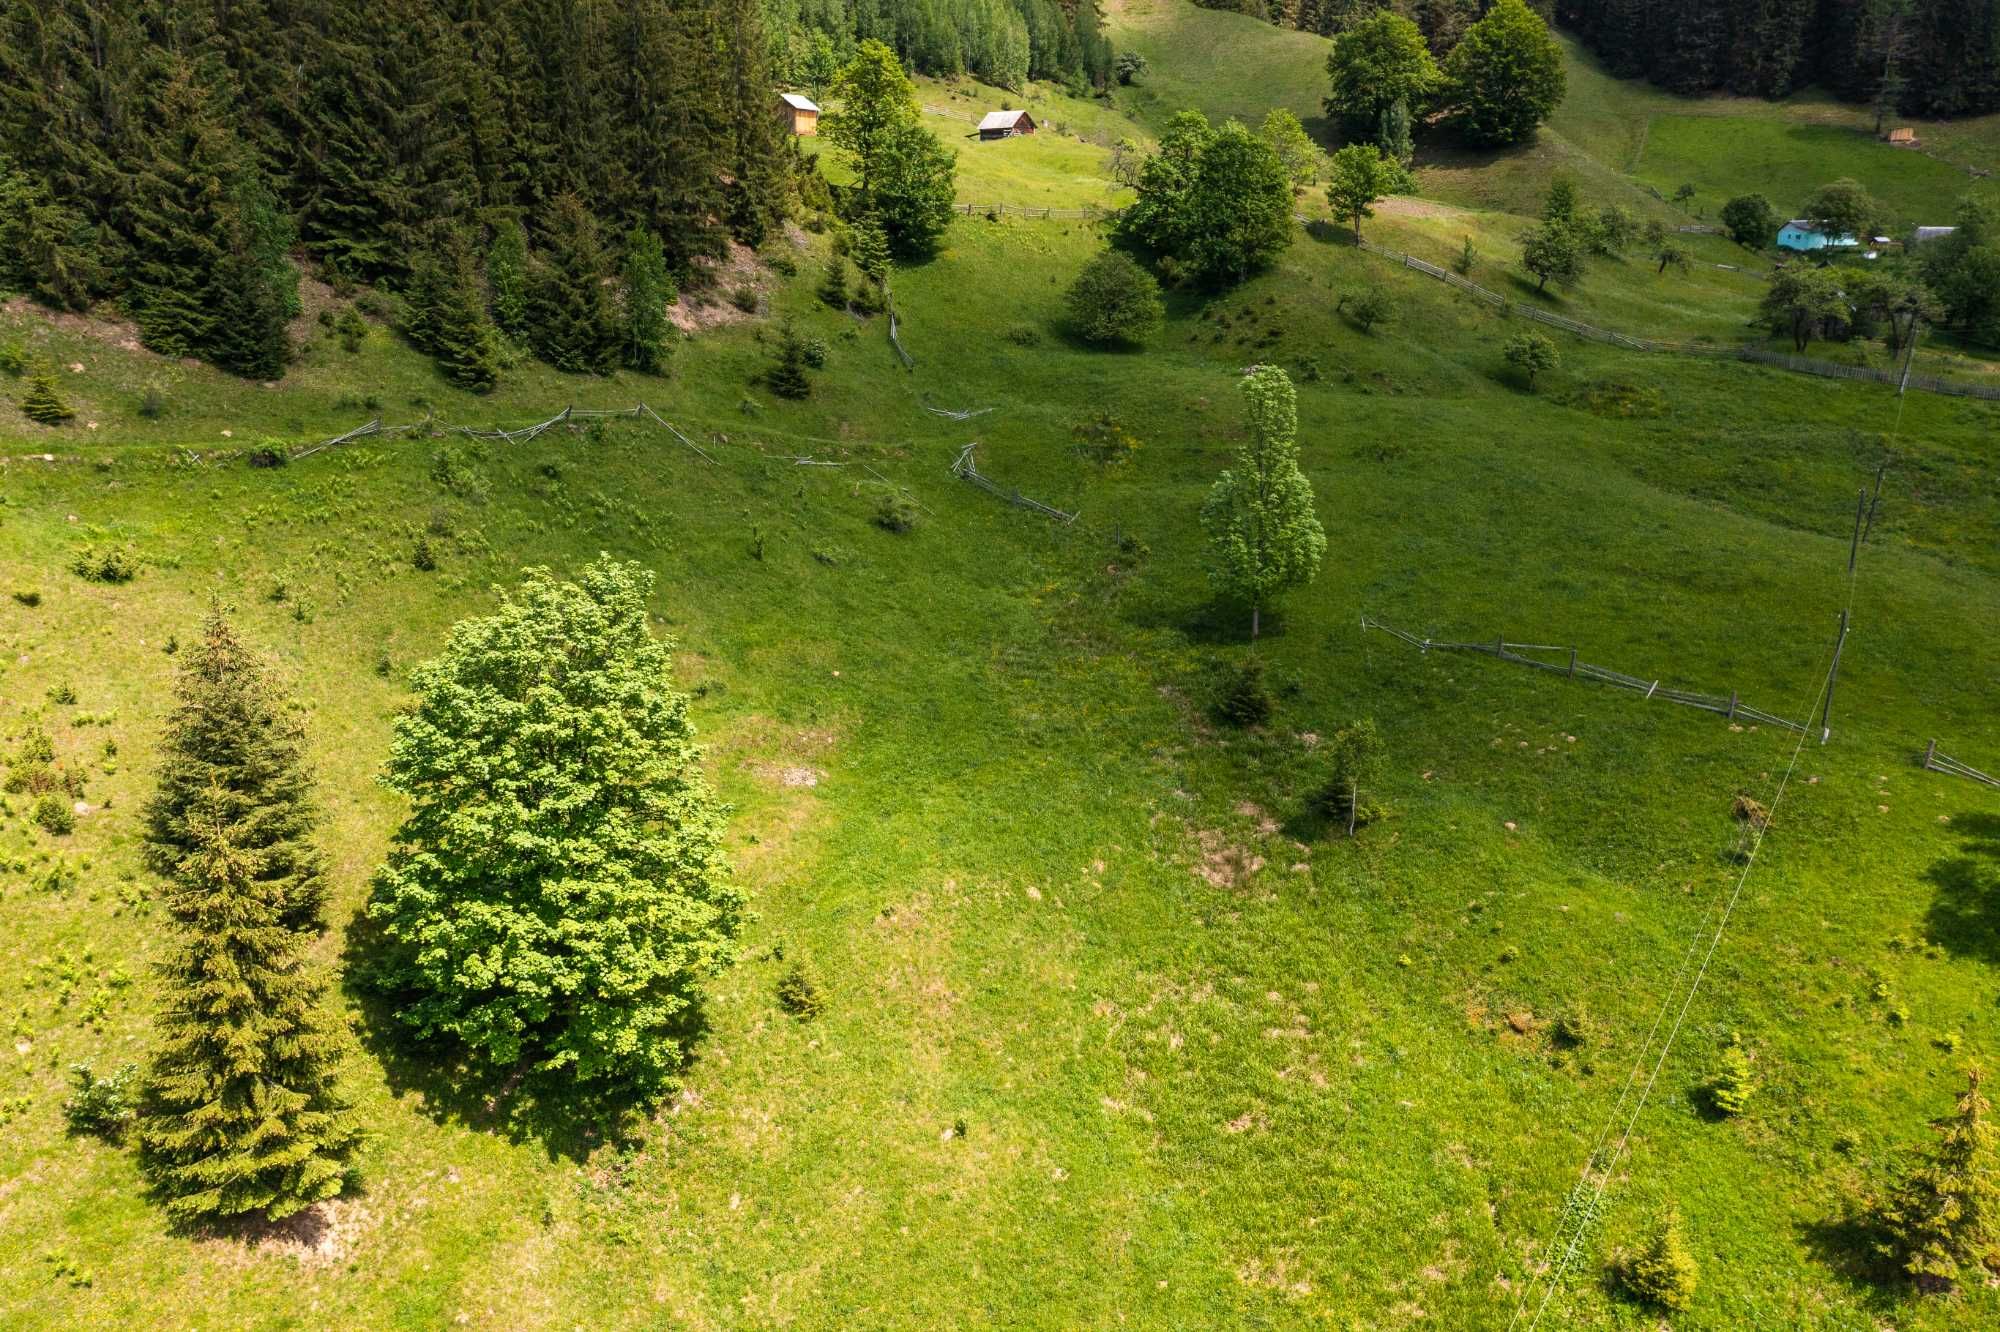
[1116,1034]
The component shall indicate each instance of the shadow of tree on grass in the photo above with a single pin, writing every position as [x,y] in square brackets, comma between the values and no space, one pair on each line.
[1964,916]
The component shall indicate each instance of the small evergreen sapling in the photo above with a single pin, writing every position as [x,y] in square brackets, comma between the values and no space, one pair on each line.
[1735,1081]
[1941,1221]
[1664,1273]
[100,1106]
[833,287]
[787,376]
[41,401]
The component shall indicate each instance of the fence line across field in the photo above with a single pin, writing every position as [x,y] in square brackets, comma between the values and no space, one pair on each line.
[1611,337]
[1089,213]
[1731,705]
[966,469]
[1937,762]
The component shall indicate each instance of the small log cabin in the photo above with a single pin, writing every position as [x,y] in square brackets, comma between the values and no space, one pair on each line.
[1006,124]
[800,113]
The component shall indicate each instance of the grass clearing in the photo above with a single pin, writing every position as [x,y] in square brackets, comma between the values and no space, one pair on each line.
[1114,1033]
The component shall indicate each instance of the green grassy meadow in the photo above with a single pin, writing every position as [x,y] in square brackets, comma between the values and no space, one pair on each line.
[1117,1035]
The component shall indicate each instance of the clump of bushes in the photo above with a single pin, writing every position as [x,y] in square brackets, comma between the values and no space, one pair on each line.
[1664,1272]
[798,993]
[1114,302]
[1103,438]
[104,564]
[1243,698]
[1353,762]
[100,1107]
[52,814]
[895,512]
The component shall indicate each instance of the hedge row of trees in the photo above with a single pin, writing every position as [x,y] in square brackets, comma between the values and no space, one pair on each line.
[1501,79]
[1004,42]
[1924,57]
[549,910]
[172,154]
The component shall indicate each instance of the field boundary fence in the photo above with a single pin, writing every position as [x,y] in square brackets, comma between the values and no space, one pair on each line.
[1936,762]
[1091,213]
[1803,365]
[966,469]
[1567,664]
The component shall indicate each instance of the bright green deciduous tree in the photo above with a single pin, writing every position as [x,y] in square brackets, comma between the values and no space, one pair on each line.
[1552,252]
[557,895]
[507,278]
[1359,176]
[1942,1220]
[1751,220]
[877,102]
[1531,354]
[1294,147]
[1263,534]
[1376,63]
[234,755]
[1114,300]
[649,289]
[1505,76]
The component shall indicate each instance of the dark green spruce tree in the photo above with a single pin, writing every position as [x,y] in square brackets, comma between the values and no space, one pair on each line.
[446,311]
[235,749]
[240,1113]
[571,322]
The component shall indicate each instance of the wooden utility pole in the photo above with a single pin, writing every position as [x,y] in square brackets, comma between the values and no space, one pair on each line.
[1832,675]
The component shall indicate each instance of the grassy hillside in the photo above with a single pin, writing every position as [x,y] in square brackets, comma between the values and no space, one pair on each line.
[1225,65]
[1118,1034]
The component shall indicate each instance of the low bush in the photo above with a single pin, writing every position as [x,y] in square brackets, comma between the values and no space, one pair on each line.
[100,1107]
[1242,698]
[104,564]
[1663,1273]
[798,993]
[895,512]
[52,814]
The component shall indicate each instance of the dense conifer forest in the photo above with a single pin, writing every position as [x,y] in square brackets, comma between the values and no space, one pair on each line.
[176,153]
[1005,42]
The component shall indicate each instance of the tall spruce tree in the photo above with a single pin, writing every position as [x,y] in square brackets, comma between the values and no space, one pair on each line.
[235,751]
[571,322]
[241,1112]
[447,311]
[758,161]
[507,278]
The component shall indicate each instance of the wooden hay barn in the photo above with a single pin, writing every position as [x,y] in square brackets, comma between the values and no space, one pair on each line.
[800,113]
[1006,124]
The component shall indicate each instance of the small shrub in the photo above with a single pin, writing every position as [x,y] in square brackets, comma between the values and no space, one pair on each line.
[100,1107]
[1530,354]
[1353,760]
[744,298]
[62,695]
[1114,301]
[815,351]
[422,558]
[1243,699]
[1368,307]
[52,814]
[109,564]
[1734,1082]
[269,453]
[153,400]
[1466,260]
[798,993]
[1024,335]
[13,360]
[1664,1272]
[895,512]
[1102,438]
[1574,1029]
